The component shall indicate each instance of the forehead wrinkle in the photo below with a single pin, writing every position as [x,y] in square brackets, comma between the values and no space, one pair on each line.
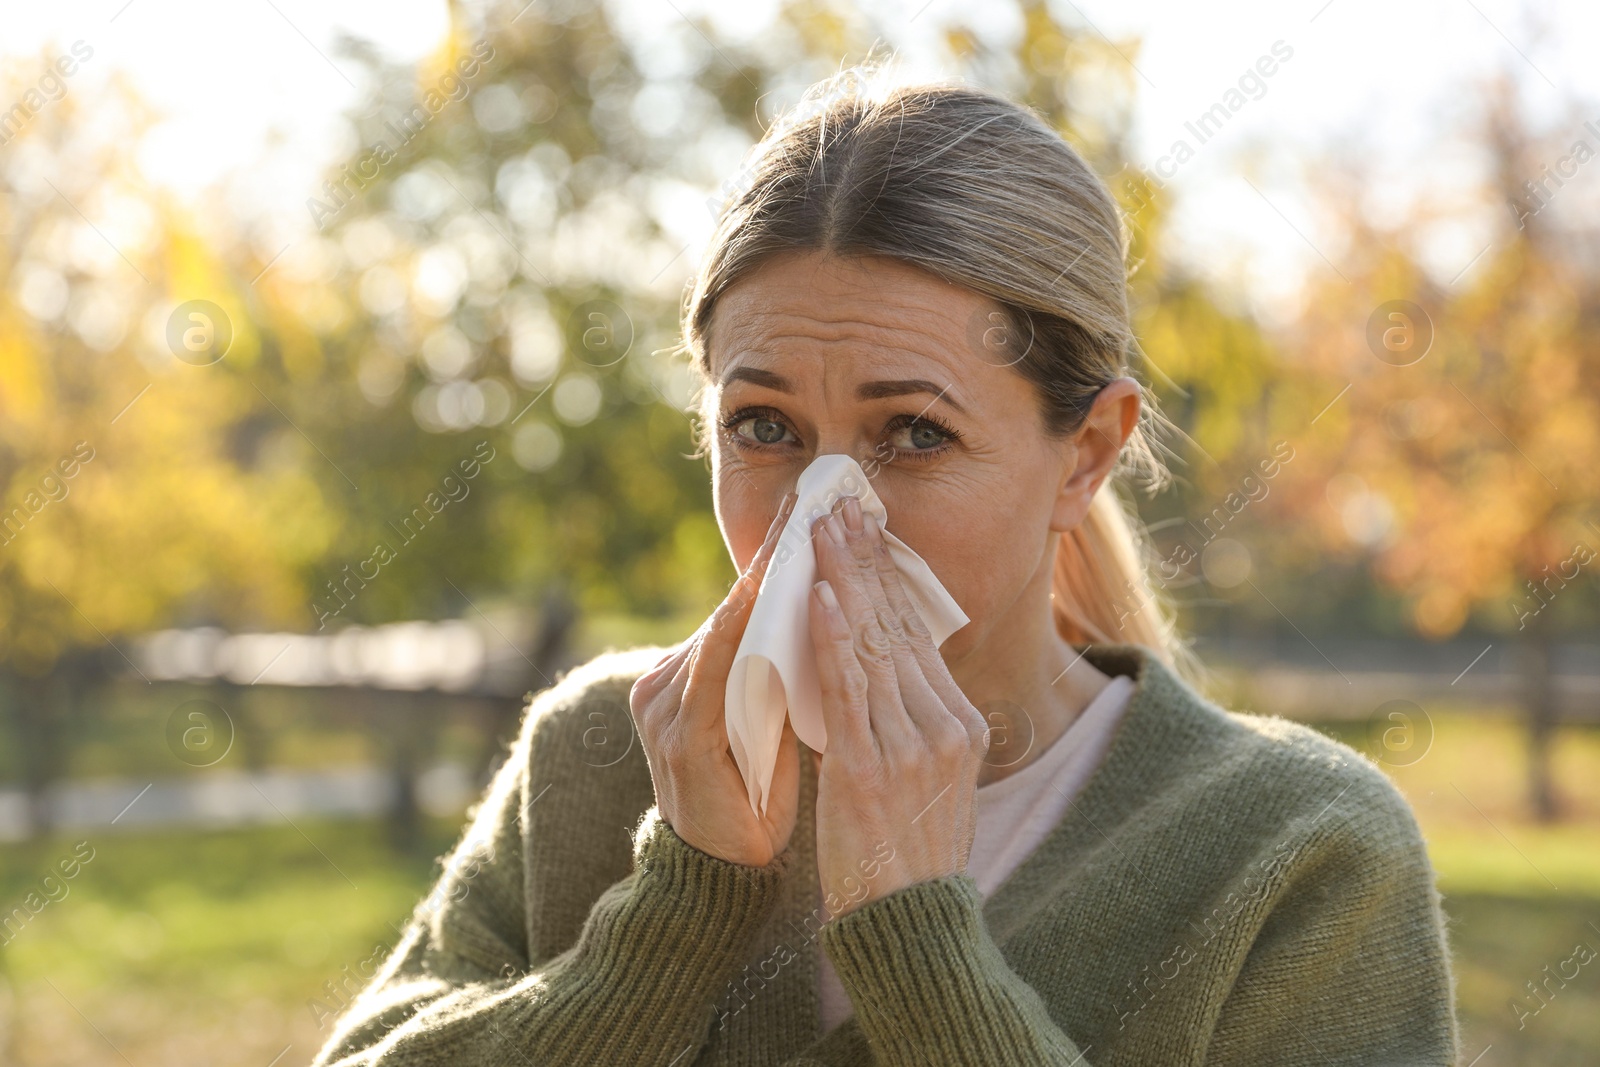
[835,327]
[906,327]
[945,361]
[936,387]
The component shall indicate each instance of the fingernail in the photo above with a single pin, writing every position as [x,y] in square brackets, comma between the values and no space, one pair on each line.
[836,530]
[852,513]
[874,531]
[825,594]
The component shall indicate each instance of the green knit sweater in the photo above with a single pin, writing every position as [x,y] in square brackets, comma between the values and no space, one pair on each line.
[1227,889]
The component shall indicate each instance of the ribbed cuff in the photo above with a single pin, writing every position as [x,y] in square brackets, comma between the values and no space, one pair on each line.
[726,902]
[926,980]
[661,946]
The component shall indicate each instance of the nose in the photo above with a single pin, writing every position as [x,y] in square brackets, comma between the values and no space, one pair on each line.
[872,461]
[849,440]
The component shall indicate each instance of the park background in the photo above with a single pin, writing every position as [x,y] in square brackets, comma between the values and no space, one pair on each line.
[1377,257]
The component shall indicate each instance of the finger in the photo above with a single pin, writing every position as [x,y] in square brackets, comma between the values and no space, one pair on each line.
[842,681]
[935,669]
[847,571]
[713,658]
[669,664]
[656,698]
[917,642]
[878,577]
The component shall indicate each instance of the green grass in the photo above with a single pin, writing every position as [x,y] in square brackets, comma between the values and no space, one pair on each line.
[1499,944]
[196,947]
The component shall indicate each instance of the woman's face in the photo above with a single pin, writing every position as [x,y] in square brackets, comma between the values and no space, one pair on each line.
[814,354]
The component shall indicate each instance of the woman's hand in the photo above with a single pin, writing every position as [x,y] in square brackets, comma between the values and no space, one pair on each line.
[679,710]
[895,795]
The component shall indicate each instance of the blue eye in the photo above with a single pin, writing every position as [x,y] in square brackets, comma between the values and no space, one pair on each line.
[763,430]
[925,436]
[767,431]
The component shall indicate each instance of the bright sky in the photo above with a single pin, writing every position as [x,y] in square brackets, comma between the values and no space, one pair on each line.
[255,88]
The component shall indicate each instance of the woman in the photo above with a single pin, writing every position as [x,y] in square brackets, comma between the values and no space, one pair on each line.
[1034,844]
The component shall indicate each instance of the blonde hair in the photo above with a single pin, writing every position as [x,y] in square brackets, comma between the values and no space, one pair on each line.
[981,192]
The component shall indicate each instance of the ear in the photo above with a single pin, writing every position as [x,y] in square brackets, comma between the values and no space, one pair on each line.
[1092,452]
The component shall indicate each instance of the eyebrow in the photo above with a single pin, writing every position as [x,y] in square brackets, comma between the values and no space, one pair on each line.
[865,391]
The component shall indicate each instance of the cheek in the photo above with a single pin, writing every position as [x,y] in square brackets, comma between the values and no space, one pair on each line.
[982,545]
[742,516]
[956,537]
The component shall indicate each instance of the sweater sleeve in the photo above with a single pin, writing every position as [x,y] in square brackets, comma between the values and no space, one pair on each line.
[637,987]
[929,985]
[1351,966]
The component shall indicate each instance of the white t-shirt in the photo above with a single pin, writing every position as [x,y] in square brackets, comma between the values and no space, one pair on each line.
[1017,812]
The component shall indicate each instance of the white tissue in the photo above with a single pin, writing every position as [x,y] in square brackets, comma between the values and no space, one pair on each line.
[775,670]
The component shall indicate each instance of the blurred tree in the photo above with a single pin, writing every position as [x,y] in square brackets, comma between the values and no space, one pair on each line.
[124,500]
[1213,371]
[1460,466]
